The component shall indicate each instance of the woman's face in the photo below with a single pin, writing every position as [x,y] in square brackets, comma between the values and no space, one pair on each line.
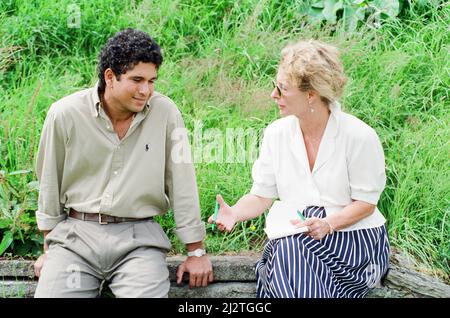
[291,101]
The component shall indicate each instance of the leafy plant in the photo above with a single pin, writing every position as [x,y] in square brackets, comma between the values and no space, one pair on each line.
[18,230]
[354,11]
[7,237]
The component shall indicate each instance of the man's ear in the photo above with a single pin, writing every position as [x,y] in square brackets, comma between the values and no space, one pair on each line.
[109,76]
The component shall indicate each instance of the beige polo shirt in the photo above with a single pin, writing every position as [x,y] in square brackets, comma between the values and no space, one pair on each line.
[82,164]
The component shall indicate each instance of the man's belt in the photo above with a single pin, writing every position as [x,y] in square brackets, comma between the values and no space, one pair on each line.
[102,218]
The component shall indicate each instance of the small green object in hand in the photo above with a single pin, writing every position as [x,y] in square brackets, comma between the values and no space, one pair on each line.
[301,215]
[216,209]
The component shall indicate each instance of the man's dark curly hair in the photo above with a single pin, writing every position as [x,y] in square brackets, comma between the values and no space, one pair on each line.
[124,51]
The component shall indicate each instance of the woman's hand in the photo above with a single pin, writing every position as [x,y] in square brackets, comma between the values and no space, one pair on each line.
[225,216]
[318,227]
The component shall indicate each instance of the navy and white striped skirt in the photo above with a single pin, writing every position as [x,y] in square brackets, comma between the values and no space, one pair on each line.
[340,265]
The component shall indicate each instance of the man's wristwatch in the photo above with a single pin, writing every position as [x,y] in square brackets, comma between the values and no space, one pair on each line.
[199,252]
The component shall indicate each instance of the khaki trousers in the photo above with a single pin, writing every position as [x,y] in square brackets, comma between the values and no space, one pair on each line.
[130,256]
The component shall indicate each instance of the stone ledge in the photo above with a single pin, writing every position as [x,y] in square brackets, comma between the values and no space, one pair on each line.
[234,276]
[226,268]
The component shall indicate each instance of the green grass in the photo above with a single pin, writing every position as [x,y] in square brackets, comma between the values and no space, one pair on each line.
[219,62]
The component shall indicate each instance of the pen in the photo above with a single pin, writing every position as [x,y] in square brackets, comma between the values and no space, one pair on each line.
[216,209]
[301,215]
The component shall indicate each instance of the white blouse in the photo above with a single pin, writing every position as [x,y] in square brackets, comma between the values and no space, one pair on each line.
[349,166]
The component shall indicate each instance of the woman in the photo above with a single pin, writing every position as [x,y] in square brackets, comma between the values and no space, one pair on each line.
[332,163]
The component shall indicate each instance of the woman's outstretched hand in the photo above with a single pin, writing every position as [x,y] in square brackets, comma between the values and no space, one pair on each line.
[225,219]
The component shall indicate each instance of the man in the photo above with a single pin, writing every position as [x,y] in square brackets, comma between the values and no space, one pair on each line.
[105,168]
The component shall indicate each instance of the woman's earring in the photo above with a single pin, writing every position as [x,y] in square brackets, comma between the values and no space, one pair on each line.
[311,108]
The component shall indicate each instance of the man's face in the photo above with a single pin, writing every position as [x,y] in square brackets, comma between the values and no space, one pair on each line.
[131,92]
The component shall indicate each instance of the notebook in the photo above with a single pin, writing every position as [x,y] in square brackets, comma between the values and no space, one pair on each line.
[278,220]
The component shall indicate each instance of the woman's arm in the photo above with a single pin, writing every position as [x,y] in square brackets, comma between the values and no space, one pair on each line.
[248,207]
[351,214]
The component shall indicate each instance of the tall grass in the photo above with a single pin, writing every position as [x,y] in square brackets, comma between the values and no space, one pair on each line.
[220,58]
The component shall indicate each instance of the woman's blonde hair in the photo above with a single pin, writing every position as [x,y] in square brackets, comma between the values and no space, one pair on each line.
[315,65]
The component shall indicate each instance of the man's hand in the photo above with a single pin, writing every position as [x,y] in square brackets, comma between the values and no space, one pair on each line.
[40,261]
[38,265]
[199,269]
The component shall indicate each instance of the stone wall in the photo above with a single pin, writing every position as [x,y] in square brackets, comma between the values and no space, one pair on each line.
[234,277]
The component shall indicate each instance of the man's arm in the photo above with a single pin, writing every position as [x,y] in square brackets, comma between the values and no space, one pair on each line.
[49,170]
[49,167]
[45,233]
[181,188]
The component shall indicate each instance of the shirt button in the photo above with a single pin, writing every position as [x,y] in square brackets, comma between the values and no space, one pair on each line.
[107,195]
[115,172]
[107,127]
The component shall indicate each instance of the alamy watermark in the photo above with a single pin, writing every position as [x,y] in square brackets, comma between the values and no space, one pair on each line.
[74,279]
[373,274]
[212,145]
[73,16]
